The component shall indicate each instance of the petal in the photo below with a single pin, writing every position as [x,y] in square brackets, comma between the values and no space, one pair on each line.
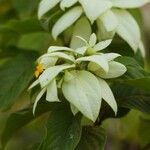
[45,6]
[47,61]
[109,20]
[107,95]
[93,9]
[99,60]
[83,29]
[39,96]
[115,70]
[59,48]
[49,74]
[102,45]
[66,21]
[92,40]
[81,50]
[129,3]
[102,33]
[81,88]
[60,55]
[128,28]
[66,4]
[111,56]
[52,95]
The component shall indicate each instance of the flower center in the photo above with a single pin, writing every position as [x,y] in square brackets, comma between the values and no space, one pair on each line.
[39,70]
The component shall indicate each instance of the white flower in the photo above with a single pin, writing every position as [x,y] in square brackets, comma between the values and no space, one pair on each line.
[117,20]
[80,75]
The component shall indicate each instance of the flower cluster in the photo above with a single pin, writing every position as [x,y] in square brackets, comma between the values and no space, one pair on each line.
[80,74]
[114,20]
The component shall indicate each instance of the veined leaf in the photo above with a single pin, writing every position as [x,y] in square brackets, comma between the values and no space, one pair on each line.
[52,95]
[129,3]
[83,29]
[63,130]
[97,59]
[93,9]
[21,118]
[128,30]
[132,97]
[45,6]
[49,74]
[66,21]
[66,4]
[93,138]
[81,88]
[107,94]
[108,17]
[15,76]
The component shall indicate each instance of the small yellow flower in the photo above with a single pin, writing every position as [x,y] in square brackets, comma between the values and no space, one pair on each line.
[39,70]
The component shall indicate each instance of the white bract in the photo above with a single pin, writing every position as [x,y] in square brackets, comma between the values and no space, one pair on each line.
[106,11]
[80,75]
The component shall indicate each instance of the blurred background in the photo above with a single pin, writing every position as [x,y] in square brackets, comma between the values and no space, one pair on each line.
[20,30]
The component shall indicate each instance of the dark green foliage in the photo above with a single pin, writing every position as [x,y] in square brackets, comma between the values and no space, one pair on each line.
[93,138]
[15,76]
[63,130]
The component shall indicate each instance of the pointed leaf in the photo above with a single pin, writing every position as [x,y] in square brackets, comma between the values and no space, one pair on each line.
[93,138]
[111,56]
[129,3]
[63,130]
[15,75]
[66,21]
[66,4]
[102,45]
[60,55]
[92,40]
[107,95]
[81,88]
[98,59]
[109,20]
[128,28]
[59,48]
[115,70]
[49,74]
[52,95]
[45,6]
[93,9]
[83,29]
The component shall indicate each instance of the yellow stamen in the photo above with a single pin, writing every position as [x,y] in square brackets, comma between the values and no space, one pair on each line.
[39,70]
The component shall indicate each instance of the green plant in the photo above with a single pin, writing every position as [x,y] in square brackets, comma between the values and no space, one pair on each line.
[93,69]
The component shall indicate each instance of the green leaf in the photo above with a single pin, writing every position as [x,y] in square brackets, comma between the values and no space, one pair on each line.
[63,130]
[38,41]
[25,8]
[143,83]
[132,98]
[143,131]
[15,76]
[21,26]
[93,138]
[21,118]
[134,70]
